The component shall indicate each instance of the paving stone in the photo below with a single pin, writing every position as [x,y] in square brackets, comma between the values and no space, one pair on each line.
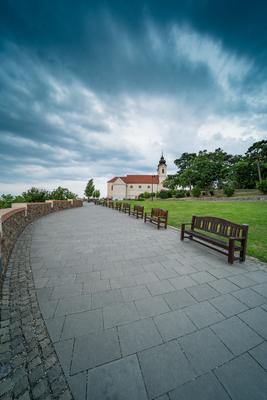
[64,352]
[135,293]
[123,282]
[243,379]
[102,299]
[66,291]
[95,349]
[166,273]
[146,277]
[179,299]
[80,324]
[73,304]
[40,389]
[203,292]
[223,286]
[204,350]
[182,282]
[78,385]
[54,327]
[138,336]
[96,286]
[257,320]
[118,380]
[261,289]
[118,314]
[249,297]
[151,306]
[228,305]
[48,308]
[160,287]
[241,280]
[203,277]
[174,324]
[257,276]
[203,314]
[205,387]
[236,335]
[260,354]
[164,367]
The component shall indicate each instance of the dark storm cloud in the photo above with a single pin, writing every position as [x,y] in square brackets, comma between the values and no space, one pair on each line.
[95,87]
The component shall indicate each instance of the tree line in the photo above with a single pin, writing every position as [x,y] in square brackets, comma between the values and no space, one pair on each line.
[34,195]
[207,171]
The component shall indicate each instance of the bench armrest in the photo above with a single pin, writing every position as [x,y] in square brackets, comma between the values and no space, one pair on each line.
[186,223]
[237,238]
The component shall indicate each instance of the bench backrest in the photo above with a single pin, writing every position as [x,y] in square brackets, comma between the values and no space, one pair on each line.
[159,212]
[126,206]
[139,208]
[219,226]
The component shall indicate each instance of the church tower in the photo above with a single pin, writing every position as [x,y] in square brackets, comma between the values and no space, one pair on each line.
[162,169]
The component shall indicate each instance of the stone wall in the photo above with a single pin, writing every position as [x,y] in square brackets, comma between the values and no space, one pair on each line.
[14,220]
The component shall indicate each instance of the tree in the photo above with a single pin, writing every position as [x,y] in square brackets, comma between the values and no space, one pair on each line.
[6,200]
[97,194]
[90,188]
[61,193]
[257,154]
[35,195]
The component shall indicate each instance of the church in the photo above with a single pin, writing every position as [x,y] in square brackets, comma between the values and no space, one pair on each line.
[131,186]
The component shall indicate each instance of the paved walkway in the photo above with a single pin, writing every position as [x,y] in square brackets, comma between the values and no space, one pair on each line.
[135,314]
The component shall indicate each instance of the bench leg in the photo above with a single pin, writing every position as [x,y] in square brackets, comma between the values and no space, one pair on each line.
[242,256]
[145,218]
[231,251]
[182,232]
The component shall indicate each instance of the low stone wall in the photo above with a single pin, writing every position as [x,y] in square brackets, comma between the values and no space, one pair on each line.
[15,219]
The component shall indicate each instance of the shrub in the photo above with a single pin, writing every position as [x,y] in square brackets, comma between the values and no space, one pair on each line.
[188,194]
[141,196]
[146,195]
[229,190]
[262,186]
[204,194]
[163,194]
[196,192]
[180,193]
[140,199]
[212,192]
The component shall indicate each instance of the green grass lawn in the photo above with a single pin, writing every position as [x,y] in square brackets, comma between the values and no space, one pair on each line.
[252,213]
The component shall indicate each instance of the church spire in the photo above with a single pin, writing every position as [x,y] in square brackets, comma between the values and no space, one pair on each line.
[162,160]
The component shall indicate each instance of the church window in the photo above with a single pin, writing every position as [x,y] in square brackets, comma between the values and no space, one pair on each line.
[139,186]
[148,187]
[162,170]
[131,186]
[111,187]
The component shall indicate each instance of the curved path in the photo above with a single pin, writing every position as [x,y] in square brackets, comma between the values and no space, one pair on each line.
[135,314]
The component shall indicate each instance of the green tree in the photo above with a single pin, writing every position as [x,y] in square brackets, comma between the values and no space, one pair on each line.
[35,195]
[61,193]
[6,200]
[90,188]
[97,194]
[257,154]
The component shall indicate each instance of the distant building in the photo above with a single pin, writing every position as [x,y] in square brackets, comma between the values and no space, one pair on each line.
[131,186]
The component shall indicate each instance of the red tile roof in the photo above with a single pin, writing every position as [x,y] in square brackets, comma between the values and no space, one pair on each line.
[137,179]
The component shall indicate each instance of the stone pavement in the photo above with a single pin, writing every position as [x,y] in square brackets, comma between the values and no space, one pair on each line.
[136,314]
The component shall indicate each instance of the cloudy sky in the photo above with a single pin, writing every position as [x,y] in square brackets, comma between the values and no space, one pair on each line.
[100,88]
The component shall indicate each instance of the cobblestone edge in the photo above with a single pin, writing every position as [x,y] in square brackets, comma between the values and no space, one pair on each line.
[29,366]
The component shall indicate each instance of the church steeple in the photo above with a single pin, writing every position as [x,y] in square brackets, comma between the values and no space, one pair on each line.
[162,169]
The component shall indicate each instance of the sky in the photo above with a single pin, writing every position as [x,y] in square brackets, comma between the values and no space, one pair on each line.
[96,89]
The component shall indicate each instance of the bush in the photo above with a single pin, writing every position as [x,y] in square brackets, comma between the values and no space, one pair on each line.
[196,192]
[204,194]
[163,194]
[180,193]
[262,186]
[188,194]
[229,190]
[140,199]
[141,196]
[147,195]
[212,192]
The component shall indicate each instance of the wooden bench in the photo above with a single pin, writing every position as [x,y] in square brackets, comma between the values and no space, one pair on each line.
[137,211]
[234,235]
[126,208]
[157,216]
[111,204]
[118,206]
